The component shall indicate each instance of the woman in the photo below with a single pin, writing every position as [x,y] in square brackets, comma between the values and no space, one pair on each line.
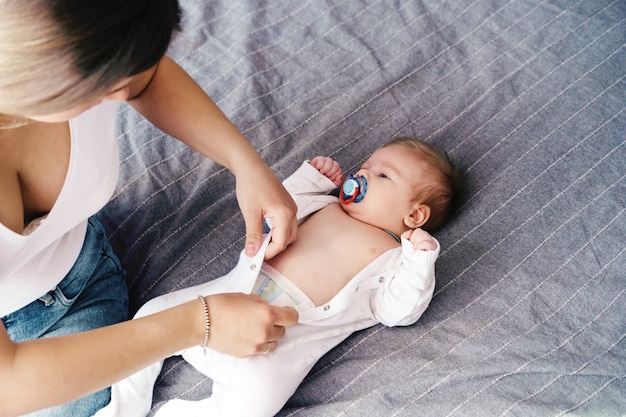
[62,64]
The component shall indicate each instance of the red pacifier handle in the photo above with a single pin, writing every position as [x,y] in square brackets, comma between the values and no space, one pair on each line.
[353,190]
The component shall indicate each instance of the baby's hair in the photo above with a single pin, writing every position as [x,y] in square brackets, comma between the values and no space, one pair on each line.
[56,55]
[443,195]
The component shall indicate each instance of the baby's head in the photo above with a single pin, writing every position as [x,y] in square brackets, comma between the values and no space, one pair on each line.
[410,184]
[442,189]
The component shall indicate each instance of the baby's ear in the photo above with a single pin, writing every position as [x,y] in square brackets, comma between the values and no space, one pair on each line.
[418,216]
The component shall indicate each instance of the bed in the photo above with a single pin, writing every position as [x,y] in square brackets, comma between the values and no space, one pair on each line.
[528,96]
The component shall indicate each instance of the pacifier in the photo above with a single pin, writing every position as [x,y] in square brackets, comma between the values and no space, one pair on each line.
[353,189]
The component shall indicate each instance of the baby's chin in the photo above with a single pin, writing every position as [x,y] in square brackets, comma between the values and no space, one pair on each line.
[355,211]
[347,208]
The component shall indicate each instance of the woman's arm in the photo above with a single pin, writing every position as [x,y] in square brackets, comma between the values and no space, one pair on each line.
[172,101]
[50,371]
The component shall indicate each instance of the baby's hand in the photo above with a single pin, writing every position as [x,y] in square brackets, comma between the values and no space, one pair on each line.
[420,239]
[328,167]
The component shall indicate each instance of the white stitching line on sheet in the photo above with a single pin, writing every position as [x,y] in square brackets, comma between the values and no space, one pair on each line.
[544,206]
[354,87]
[562,192]
[505,238]
[504,78]
[414,72]
[523,65]
[244,39]
[452,71]
[536,326]
[589,103]
[317,63]
[467,60]
[137,178]
[193,388]
[560,346]
[575,372]
[438,325]
[281,137]
[180,282]
[556,96]
[586,400]
[518,192]
[163,188]
[156,192]
[289,57]
[484,68]
[424,65]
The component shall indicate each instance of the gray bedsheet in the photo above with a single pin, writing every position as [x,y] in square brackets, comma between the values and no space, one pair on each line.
[529,316]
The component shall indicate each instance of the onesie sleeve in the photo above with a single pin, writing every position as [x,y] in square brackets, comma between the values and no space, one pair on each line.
[407,287]
[309,189]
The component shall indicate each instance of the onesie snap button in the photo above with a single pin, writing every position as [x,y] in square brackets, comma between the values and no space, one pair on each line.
[253,266]
[381,279]
[326,307]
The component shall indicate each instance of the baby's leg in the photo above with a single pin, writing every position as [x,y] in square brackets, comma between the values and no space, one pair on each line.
[132,397]
[257,386]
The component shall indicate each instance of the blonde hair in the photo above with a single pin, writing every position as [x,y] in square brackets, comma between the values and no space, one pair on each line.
[444,193]
[37,71]
[56,55]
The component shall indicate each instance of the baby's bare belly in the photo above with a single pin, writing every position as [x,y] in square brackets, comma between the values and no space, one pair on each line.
[331,248]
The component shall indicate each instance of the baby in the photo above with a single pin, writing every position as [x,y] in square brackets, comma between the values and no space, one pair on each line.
[360,259]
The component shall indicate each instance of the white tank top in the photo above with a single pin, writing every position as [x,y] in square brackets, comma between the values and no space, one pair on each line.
[33,264]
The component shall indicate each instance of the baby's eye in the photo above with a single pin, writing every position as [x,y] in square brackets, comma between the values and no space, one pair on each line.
[382,175]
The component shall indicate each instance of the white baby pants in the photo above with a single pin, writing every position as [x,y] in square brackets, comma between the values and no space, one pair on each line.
[254,386]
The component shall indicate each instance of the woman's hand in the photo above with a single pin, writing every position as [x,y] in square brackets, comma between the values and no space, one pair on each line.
[174,103]
[261,195]
[243,325]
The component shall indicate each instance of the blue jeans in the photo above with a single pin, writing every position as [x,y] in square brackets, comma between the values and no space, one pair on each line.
[92,295]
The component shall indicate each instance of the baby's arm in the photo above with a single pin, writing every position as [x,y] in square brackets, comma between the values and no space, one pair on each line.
[328,167]
[409,282]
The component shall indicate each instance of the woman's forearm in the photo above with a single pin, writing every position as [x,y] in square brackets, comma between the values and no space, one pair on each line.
[173,102]
[177,105]
[45,372]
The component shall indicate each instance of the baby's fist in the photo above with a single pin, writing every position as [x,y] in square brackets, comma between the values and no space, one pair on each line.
[420,239]
[328,167]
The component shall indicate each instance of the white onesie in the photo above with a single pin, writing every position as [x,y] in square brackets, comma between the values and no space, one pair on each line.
[395,289]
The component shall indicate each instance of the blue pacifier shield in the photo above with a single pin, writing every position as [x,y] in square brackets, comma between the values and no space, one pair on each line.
[353,190]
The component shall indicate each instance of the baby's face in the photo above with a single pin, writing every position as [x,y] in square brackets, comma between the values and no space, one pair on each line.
[392,173]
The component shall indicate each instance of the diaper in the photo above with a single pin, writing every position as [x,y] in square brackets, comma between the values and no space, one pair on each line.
[274,288]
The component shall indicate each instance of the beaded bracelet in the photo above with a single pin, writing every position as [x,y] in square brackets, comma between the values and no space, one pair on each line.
[207,321]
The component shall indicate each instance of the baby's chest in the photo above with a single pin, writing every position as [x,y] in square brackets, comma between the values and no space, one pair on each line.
[330,249]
